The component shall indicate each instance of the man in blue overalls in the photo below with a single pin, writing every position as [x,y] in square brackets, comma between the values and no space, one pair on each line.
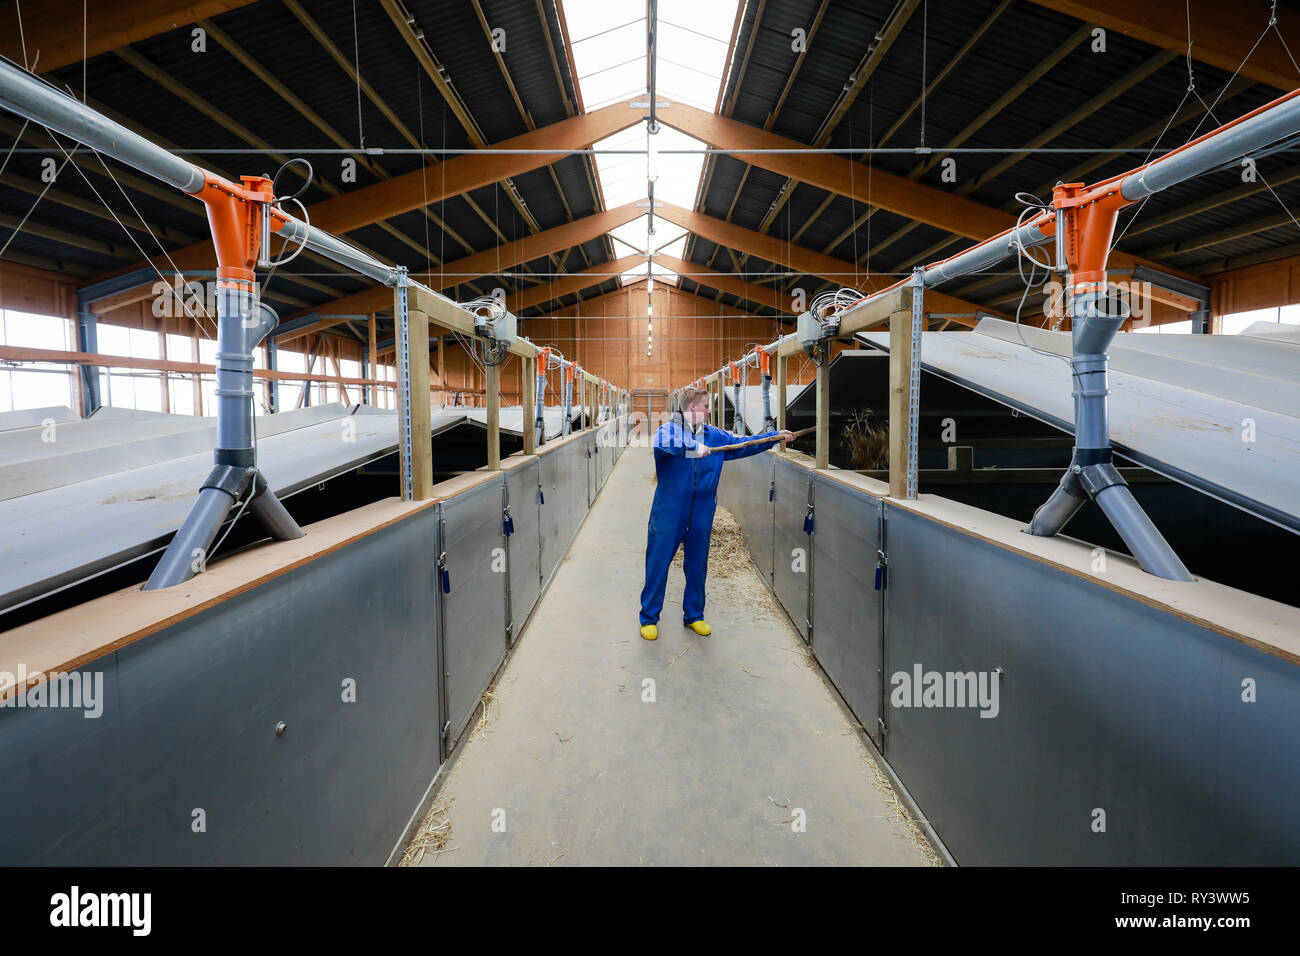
[688,470]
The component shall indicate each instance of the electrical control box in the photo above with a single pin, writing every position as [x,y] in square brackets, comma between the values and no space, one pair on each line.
[500,328]
[810,330]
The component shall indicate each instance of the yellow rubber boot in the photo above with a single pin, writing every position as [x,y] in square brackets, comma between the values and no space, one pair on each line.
[649,631]
[700,628]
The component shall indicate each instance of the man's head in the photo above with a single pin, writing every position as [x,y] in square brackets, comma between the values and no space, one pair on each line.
[694,405]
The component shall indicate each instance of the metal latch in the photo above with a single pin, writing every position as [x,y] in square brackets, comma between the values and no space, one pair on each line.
[444,573]
[882,571]
[507,522]
[808,521]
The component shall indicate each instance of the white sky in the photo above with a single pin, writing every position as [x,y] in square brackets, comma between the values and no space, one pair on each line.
[609,51]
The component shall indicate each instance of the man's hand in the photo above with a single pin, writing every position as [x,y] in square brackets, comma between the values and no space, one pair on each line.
[702,450]
[785,436]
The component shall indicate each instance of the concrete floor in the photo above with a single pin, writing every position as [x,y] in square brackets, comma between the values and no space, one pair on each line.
[572,767]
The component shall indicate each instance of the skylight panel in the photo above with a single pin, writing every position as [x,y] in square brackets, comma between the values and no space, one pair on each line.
[608,41]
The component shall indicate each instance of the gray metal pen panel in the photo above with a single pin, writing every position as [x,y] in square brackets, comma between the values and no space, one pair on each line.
[1110,713]
[474,598]
[564,501]
[731,487]
[341,651]
[847,618]
[525,544]
[790,544]
[754,507]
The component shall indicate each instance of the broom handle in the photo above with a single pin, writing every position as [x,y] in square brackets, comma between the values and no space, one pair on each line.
[759,441]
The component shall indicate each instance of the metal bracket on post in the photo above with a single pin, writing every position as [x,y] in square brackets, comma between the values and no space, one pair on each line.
[914,379]
[403,317]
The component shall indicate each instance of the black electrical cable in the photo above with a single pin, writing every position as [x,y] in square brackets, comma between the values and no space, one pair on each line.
[306,183]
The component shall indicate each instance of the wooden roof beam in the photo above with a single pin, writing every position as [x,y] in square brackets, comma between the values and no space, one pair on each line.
[807,261]
[489,262]
[572,284]
[1222,33]
[52,36]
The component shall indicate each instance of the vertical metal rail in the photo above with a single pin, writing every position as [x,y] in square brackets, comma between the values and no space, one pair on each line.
[914,380]
[882,572]
[403,316]
[440,632]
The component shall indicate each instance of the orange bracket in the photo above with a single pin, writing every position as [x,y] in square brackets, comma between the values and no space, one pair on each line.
[1090,217]
[764,362]
[235,218]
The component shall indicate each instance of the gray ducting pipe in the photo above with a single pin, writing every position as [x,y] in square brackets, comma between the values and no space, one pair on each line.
[566,425]
[1092,473]
[38,101]
[1249,135]
[769,422]
[539,421]
[242,322]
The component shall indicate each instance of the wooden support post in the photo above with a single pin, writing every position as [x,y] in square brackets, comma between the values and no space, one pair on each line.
[421,425]
[198,379]
[369,371]
[529,366]
[442,366]
[162,379]
[492,383]
[900,364]
[782,369]
[824,411]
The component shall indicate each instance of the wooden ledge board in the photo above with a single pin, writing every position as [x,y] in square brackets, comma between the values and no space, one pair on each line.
[1266,625]
[78,635]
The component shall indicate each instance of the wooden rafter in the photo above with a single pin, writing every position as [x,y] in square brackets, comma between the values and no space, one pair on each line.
[1222,33]
[54,27]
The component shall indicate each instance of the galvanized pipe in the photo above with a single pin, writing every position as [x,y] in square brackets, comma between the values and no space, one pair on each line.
[539,422]
[568,407]
[242,322]
[769,423]
[38,101]
[1092,473]
[1270,123]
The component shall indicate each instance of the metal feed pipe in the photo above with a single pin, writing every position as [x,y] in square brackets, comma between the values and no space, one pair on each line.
[1081,220]
[241,217]
[34,99]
